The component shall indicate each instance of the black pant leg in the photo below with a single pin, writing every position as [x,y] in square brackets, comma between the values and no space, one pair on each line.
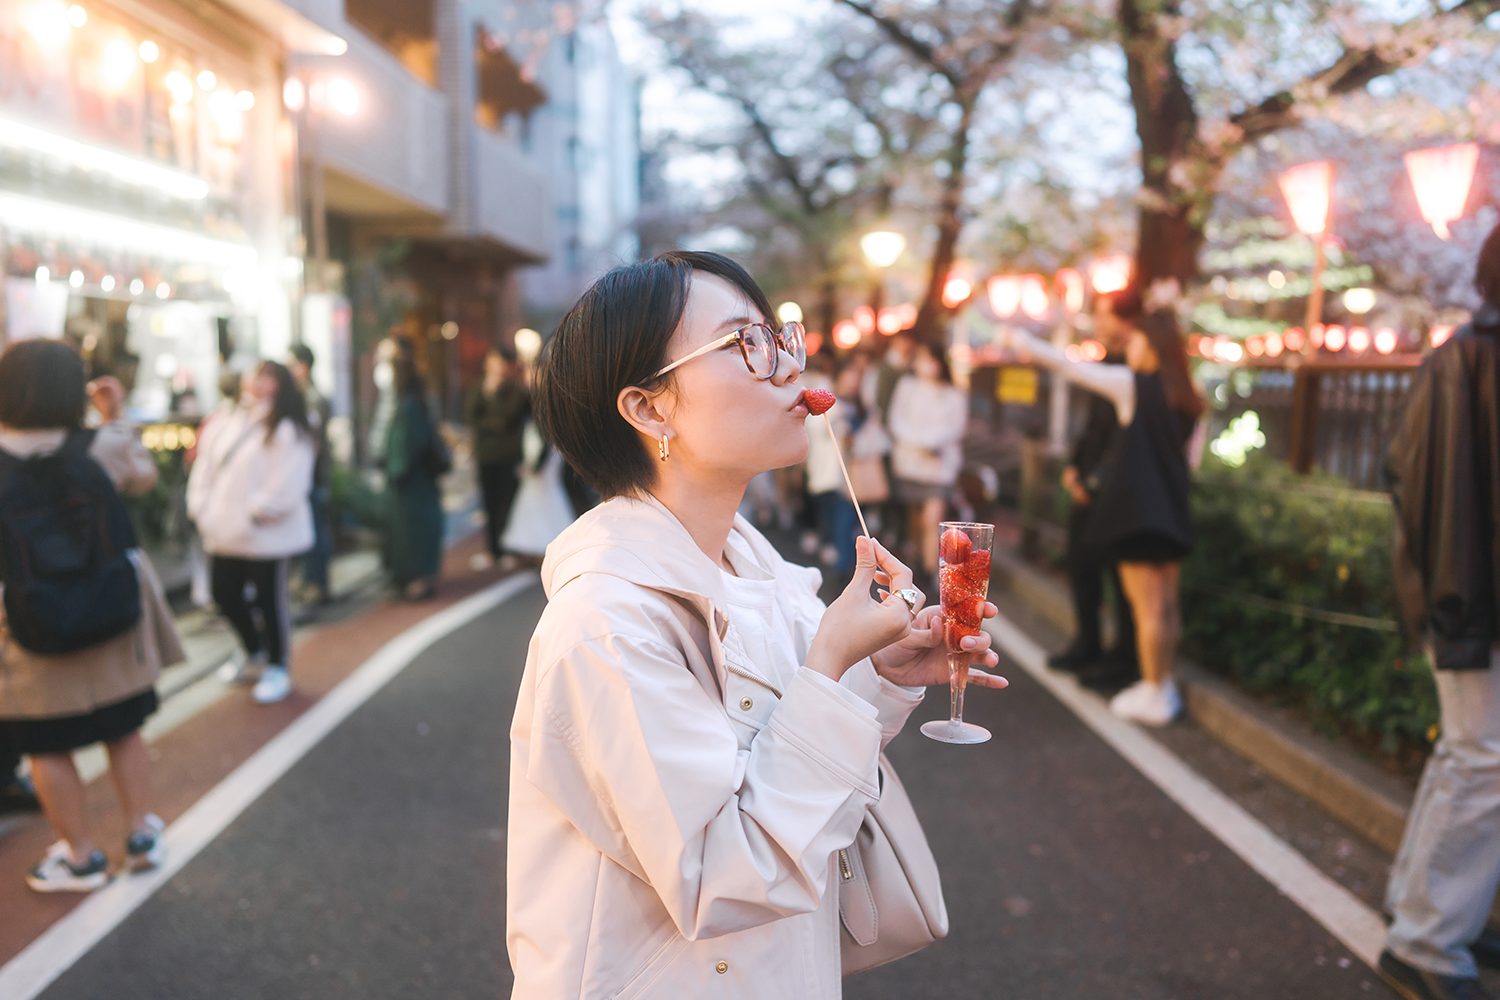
[498,484]
[273,598]
[1085,579]
[227,578]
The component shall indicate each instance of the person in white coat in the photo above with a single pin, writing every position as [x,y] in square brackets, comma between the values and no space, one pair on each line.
[695,736]
[248,494]
[928,417]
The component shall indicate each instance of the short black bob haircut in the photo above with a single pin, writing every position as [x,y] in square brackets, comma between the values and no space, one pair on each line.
[617,335]
[42,386]
[1487,274]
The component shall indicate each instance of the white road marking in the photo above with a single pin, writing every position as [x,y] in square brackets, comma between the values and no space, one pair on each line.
[68,940]
[1330,904]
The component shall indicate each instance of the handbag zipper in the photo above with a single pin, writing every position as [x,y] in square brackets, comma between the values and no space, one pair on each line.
[844,869]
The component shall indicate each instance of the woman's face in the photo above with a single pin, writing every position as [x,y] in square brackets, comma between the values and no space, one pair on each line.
[925,366]
[262,386]
[722,419]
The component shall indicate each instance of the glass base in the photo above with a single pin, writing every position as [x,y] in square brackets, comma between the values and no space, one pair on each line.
[948,731]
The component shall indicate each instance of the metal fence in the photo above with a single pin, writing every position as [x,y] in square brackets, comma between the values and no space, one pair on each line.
[1336,418]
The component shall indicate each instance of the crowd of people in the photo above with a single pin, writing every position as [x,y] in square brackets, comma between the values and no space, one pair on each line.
[79,661]
[612,736]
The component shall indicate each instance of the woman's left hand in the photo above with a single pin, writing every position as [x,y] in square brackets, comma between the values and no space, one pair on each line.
[921,659]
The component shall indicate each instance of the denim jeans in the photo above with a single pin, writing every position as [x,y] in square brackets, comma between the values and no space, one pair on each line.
[1445,876]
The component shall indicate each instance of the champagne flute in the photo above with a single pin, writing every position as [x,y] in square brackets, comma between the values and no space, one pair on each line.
[963,585]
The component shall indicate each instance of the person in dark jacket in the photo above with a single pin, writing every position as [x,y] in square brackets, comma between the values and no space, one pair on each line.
[1443,467]
[319,412]
[412,448]
[497,412]
[1088,565]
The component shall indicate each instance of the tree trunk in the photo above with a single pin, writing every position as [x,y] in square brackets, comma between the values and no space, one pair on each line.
[1174,198]
[932,312]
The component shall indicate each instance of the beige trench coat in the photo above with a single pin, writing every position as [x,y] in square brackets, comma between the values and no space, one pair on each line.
[33,686]
[674,813]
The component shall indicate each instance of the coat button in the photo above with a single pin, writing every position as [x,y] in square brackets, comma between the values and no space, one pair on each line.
[746,704]
[721,968]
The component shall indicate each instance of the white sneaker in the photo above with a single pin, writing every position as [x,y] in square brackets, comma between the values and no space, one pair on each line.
[143,848]
[242,669]
[55,873]
[274,685]
[481,561]
[1147,703]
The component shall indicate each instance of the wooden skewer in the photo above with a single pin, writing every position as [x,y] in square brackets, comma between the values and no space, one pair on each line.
[847,481]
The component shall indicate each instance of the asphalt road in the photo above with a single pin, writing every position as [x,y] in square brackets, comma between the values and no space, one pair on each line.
[375,868]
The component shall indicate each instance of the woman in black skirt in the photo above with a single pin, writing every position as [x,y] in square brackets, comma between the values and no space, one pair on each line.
[54,704]
[1142,517]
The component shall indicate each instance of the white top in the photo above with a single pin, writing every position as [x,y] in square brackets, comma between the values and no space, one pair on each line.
[248,493]
[927,422]
[1115,383]
[680,783]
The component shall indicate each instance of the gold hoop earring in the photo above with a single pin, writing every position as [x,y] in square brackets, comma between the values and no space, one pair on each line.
[664,449]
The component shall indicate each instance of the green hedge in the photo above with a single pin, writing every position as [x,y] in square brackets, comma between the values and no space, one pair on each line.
[1311,543]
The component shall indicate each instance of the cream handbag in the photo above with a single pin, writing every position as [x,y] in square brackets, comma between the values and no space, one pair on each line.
[890,893]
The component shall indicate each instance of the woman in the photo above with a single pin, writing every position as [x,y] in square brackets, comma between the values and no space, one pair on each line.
[52,705]
[415,456]
[695,736]
[927,421]
[248,494]
[1142,516]
[497,412]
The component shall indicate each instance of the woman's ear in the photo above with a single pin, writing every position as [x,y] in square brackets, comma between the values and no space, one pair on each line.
[642,411]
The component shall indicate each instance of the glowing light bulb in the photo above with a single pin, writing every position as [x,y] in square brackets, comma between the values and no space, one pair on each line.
[244,100]
[207,81]
[76,279]
[77,16]
[148,52]
[789,312]
[107,282]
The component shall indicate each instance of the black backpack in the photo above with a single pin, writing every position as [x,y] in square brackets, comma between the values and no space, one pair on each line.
[65,534]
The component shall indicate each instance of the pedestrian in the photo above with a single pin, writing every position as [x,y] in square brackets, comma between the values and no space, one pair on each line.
[696,736]
[497,412]
[84,642]
[1089,565]
[543,509]
[1143,519]
[248,494]
[319,412]
[1443,463]
[415,457]
[876,390]
[927,420]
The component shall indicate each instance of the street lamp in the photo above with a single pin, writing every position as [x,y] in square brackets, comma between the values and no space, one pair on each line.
[1110,274]
[881,248]
[1441,178]
[1308,190]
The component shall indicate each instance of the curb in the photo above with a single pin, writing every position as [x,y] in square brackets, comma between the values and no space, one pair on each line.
[1332,776]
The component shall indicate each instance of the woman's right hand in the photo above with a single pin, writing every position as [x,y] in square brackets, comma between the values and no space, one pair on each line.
[856,625]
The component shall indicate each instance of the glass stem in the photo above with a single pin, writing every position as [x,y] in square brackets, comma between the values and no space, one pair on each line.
[958,679]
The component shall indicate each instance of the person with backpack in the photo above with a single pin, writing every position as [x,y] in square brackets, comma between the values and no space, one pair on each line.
[415,457]
[248,494]
[87,627]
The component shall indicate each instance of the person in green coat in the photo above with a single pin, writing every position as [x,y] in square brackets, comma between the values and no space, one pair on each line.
[415,456]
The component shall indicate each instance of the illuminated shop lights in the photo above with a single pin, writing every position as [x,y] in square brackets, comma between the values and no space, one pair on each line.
[137,286]
[207,81]
[107,282]
[89,228]
[148,52]
[125,168]
[244,100]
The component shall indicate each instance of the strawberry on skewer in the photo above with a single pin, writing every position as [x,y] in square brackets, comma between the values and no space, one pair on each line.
[818,401]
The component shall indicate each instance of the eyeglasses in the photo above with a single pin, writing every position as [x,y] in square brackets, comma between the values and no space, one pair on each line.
[760,346]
